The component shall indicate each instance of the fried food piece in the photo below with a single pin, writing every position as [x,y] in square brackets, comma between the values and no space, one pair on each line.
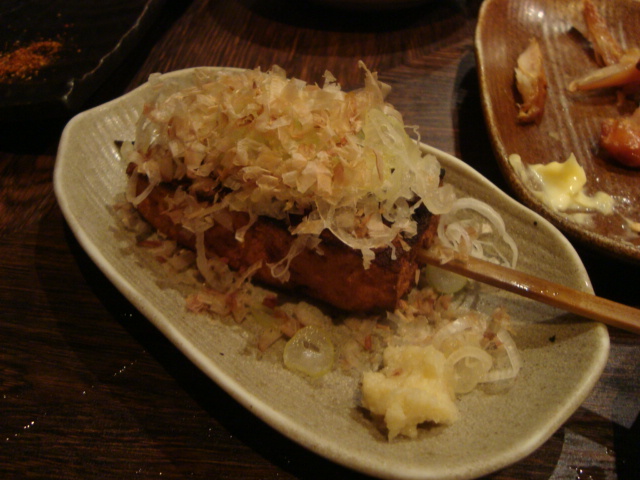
[605,47]
[531,82]
[619,67]
[333,273]
[625,74]
[621,138]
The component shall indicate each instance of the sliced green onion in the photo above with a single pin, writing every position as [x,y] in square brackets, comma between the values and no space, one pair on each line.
[443,281]
[309,351]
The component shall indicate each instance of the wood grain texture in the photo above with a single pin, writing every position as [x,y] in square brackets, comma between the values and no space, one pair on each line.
[90,390]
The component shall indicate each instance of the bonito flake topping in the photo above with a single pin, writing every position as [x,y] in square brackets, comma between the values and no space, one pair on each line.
[317,158]
[271,146]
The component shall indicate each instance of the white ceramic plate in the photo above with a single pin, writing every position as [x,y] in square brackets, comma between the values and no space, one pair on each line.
[563,355]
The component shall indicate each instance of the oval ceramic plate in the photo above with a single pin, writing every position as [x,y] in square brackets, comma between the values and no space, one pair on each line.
[570,123]
[495,430]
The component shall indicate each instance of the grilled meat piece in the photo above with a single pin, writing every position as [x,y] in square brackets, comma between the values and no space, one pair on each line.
[621,138]
[334,274]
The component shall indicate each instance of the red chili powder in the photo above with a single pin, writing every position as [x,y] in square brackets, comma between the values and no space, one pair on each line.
[25,62]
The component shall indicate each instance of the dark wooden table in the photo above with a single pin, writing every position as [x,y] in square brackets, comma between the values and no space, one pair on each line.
[90,389]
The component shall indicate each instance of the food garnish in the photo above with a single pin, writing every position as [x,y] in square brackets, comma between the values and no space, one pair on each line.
[410,389]
[310,351]
[249,180]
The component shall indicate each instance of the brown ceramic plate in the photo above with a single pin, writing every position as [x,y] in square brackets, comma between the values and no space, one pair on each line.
[571,123]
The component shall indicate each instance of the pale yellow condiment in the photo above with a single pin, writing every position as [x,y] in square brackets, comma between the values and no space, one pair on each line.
[412,388]
[560,185]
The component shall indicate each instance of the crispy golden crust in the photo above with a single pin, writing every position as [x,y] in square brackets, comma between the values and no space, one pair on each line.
[335,276]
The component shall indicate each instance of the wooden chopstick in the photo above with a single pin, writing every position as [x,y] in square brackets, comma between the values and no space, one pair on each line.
[530,286]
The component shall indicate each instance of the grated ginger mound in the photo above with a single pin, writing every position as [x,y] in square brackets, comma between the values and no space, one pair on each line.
[413,387]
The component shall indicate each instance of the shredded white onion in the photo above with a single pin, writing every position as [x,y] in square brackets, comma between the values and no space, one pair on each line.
[280,269]
[464,235]
[515,362]
[342,161]
[473,323]
[470,364]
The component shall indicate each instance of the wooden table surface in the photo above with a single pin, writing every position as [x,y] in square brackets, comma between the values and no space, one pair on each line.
[90,389]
